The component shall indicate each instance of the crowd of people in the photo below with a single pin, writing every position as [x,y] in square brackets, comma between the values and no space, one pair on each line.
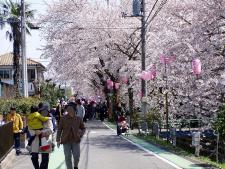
[86,109]
[66,119]
[38,126]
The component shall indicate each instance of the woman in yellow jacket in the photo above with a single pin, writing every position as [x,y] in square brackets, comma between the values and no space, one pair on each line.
[17,127]
[35,123]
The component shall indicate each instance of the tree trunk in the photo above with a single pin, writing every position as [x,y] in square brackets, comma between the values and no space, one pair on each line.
[131,105]
[167,115]
[16,57]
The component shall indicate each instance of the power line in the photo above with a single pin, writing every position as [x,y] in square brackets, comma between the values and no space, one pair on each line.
[112,28]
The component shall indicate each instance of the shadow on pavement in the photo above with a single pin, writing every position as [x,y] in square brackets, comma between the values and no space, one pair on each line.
[205,166]
[106,141]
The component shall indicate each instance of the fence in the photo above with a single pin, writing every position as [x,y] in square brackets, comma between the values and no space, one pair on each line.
[185,143]
[209,148]
[6,91]
[208,144]
[6,139]
[185,124]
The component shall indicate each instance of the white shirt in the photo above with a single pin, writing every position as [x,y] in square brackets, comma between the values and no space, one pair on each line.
[80,111]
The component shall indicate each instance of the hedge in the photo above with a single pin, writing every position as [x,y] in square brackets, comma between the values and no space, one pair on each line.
[22,104]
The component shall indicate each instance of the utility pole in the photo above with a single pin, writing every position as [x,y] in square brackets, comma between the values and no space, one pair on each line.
[143,53]
[139,10]
[23,50]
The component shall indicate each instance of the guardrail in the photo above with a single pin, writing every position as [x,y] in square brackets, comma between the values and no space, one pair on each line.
[6,139]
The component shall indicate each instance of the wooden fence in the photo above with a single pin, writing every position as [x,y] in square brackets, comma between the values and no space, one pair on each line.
[6,139]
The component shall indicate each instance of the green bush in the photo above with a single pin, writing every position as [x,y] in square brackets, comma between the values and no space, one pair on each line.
[152,116]
[219,124]
[22,104]
[135,118]
[50,93]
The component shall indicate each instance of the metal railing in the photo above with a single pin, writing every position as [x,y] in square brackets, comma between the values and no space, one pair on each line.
[6,139]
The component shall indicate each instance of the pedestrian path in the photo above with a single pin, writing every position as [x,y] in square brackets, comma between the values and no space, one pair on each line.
[57,160]
[158,152]
[100,143]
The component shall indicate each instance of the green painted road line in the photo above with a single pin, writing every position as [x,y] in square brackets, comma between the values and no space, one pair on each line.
[57,159]
[179,161]
[175,159]
[111,125]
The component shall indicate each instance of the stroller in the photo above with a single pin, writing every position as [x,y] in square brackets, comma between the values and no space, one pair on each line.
[122,127]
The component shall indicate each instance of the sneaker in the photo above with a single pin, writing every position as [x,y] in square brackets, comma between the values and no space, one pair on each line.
[18,152]
[28,148]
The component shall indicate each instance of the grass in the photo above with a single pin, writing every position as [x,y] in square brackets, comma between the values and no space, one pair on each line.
[208,160]
[163,144]
[176,150]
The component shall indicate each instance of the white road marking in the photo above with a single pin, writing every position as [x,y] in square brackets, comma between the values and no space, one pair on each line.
[146,150]
[93,132]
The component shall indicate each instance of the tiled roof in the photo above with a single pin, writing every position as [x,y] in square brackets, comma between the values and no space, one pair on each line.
[7,60]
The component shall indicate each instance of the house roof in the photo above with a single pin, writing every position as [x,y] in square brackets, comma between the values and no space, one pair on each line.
[7,60]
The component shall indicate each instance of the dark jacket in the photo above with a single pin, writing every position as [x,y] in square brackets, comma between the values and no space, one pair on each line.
[70,130]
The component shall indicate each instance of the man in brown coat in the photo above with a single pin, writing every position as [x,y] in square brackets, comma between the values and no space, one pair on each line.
[70,131]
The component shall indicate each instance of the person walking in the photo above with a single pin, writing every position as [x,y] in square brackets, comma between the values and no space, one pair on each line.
[17,127]
[70,131]
[35,146]
[80,109]
[35,122]
[102,111]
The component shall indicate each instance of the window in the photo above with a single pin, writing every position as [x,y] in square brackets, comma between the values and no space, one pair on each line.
[31,75]
[5,73]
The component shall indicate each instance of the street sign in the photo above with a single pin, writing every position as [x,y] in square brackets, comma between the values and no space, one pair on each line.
[196,138]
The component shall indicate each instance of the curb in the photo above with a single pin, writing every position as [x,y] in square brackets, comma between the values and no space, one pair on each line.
[7,162]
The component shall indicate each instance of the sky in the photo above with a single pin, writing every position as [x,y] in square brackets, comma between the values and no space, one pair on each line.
[33,42]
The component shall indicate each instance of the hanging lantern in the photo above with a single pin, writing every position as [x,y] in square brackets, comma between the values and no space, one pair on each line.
[117,85]
[141,94]
[109,84]
[196,66]
[167,60]
[146,75]
[124,79]
[162,59]
[149,76]
[173,58]
[143,75]
[153,70]
[108,81]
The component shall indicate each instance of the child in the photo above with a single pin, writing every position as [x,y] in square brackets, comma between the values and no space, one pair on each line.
[122,125]
[35,122]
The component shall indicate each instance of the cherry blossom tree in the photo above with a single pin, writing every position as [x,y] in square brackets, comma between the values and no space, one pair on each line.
[82,35]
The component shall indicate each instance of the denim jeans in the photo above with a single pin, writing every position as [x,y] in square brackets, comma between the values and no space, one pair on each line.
[16,137]
[69,150]
[44,160]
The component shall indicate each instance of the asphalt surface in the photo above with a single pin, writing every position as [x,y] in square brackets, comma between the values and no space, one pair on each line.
[101,148]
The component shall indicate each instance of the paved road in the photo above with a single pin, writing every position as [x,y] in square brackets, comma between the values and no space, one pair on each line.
[103,149]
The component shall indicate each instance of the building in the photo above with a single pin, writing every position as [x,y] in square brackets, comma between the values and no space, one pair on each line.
[35,74]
